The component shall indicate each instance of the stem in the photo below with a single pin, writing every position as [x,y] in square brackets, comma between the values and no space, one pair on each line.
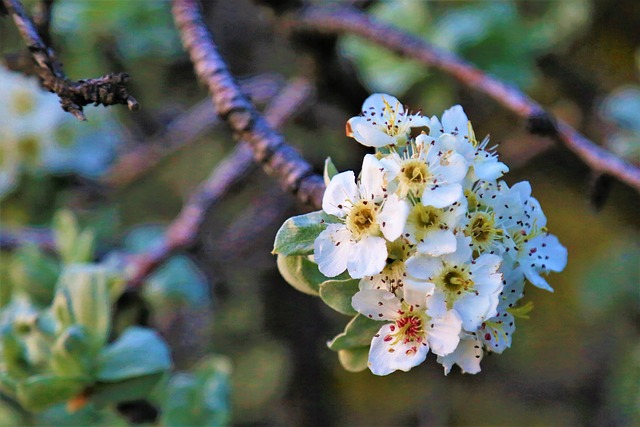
[349,21]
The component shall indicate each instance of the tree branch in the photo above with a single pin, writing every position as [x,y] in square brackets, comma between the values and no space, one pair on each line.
[107,90]
[269,148]
[182,131]
[183,230]
[348,21]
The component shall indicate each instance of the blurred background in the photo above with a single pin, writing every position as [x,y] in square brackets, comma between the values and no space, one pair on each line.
[575,362]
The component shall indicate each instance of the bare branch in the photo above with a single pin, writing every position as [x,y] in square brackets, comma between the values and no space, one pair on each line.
[348,21]
[107,90]
[269,149]
[42,20]
[182,131]
[183,230]
[12,239]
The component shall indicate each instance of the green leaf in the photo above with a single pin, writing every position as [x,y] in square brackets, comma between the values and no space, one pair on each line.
[41,391]
[122,391]
[330,171]
[70,354]
[199,398]
[178,282]
[337,294]
[84,298]
[137,352]
[354,359]
[65,230]
[35,273]
[297,234]
[358,333]
[301,273]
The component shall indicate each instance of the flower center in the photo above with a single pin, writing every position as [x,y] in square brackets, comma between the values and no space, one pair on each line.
[408,327]
[422,220]
[454,281]
[361,220]
[23,102]
[483,231]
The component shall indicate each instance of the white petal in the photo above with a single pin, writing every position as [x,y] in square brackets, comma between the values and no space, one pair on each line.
[377,304]
[416,293]
[496,332]
[331,249]
[367,257]
[368,134]
[423,266]
[438,242]
[444,336]
[463,252]
[453,168]
[437,304]
[489,168]
[340,194]
[474,309]
[441,196]
[372,179]
[392,165]
[467,355]
[376,102]
[536,279]
[385,358]
[393,217]
[455,120]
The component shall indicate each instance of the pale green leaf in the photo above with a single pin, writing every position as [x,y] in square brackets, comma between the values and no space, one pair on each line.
[297,234]
[354,359]
[358,333]
[337,294]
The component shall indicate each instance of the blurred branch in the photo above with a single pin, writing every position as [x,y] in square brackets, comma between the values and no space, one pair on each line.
[182,131]
[269,148]
[329,20]
[12,239]
[183,230]
[42,20]
[110,89]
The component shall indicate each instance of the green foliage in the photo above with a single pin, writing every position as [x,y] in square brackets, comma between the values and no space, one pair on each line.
[357,333]
[200,397]
[297,234]
[337,294]
[329,170]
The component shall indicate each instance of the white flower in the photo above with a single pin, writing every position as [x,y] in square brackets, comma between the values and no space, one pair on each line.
[405,342]
[535,250]
[383,122]
[392,275]
[455,122]
[467,355]
[471,287]
[432,229]
[429,172]
[358,244]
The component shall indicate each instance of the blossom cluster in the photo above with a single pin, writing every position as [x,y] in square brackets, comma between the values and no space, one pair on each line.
[440,245]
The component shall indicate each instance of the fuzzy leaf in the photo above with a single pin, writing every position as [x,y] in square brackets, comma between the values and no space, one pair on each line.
[337,294]
[358,333]
[137,352]
[301,273]
[41,391]
[297,234]
[354,359]
[330,171]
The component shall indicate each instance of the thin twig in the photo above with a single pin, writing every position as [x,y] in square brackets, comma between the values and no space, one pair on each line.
[184,229]
[12,239]
[107,90]
[348,21]
[182,131]
[42,20]
[280,160]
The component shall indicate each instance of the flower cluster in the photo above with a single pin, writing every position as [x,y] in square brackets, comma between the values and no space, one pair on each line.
[440,247]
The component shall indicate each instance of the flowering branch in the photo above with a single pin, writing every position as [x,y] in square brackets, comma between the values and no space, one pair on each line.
[269,148]
[183,230]
[182,131]
[349,21]
[107,90]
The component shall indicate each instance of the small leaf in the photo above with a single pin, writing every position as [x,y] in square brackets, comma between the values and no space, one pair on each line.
[70,354]
[84,247]
[297,234]
[358,333]
[41,391]
[85,299]
[137,352]
[65,230]
[337,294]
[354,359]
[35,273]
[178,282]
[123,391]
[329,171]
[301,273]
